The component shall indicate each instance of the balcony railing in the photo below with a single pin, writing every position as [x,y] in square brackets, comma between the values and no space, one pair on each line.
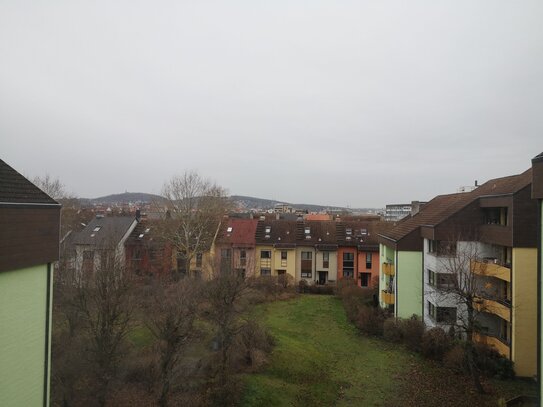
[495,307]
[388,269]
[494,342]
[388,297]
[491,268]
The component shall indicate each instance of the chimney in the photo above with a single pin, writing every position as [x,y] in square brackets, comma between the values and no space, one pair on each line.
[476,183]
[415,207]
[138,215]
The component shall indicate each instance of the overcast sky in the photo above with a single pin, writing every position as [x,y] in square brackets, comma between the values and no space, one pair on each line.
[358,103]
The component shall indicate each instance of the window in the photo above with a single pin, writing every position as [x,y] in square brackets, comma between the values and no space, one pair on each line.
[225,261]
[442,248]
[365,279]
[88,261]
[325,260]
[97,228]
[283,258]
[349,231]
[225,253]
[229,229]
[307,230]
[368,260]
[198,259]
[265,272]
[267,230]
[446,315]
[265,254]
[307,264]
[495,216]
[431,278]
[242,258]
[348,265]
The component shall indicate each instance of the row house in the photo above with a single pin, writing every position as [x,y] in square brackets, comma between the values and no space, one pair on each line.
[235,246]
[147,252]
[319,252]
[102,237]
[486,235]
[29,242]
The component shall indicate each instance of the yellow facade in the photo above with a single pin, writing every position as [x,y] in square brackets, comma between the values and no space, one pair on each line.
[524,324]
[281,264]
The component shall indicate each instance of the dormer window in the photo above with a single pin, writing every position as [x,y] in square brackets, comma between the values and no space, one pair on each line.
[307,230]
[363,232]
[140,236]
[147,230]
[97,228]
[266,236]
[268,229]
[308,237]
[349,231]
[348,238]
[229,229]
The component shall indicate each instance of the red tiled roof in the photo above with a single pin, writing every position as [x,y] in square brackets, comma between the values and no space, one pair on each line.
[242,232]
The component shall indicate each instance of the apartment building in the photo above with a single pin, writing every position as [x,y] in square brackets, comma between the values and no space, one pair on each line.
[401,259]
[30,224]
[485,245]
[537,194]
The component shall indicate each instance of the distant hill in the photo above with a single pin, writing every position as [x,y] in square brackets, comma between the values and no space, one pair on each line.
[247,202]
[250,202]
[124,198]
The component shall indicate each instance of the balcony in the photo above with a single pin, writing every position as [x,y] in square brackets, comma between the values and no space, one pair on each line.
[388,269]
[499,308]
[387,297]
[491,268]
[493,342]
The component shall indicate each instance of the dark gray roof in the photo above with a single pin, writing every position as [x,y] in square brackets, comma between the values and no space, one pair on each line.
[111,230]
[14,188]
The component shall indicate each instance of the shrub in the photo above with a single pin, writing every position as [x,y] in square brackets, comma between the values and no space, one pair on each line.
[435,342]
[321,289]
[370,320]
[454,359]
[354,297]
[491,363]
[412,331]
[392,330]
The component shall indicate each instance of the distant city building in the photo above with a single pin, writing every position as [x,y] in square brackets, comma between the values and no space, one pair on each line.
[283,208]
[396,212]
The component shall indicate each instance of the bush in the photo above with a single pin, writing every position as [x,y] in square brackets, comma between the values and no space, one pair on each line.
[491,363]
[412,330]
[321,289]
[435,343]
[354,298]
[370,320]
[455,359]
[392,330]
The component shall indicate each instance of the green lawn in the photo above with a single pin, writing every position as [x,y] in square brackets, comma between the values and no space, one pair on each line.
[321,360]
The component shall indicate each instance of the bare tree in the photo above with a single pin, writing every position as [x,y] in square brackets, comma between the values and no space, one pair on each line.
[104,299]
[195,209]
[226,299]
[459,283]
[51,186]
[170,311]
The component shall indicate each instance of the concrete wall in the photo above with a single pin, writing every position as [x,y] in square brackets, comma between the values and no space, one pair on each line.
[23,355]
[524,327]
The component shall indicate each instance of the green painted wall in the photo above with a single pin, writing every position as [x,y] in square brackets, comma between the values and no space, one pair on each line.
[23,295]
[409,284]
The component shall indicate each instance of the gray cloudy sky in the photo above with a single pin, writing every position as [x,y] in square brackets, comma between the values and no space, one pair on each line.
[358,103]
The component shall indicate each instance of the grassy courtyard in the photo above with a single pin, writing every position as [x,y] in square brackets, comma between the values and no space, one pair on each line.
[321,360]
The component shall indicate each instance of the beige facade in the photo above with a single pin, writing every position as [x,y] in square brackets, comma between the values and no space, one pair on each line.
[524,321]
